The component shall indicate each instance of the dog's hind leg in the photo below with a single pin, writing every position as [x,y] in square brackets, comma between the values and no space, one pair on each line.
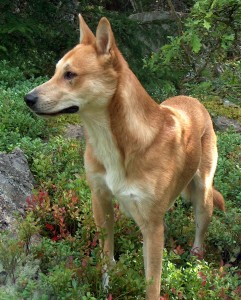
[200,192]
[202,199]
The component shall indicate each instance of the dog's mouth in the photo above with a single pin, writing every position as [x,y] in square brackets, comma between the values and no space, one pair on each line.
[69,110]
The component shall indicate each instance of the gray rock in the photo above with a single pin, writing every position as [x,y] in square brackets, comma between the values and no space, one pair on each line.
[228,103]
[163,23]
[222,123]
[16,184]
[161,16]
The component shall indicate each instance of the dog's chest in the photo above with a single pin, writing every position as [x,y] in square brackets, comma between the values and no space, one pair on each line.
[108,155]
[126,191]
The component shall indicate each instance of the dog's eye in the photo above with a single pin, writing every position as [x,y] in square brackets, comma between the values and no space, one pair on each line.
[69,75]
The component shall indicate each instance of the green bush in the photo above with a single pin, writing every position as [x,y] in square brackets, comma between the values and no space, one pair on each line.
[17,122]
[35,35]
[206,52]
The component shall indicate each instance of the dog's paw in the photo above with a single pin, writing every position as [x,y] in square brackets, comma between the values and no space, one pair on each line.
[198,252]
[105,275]
[105,281]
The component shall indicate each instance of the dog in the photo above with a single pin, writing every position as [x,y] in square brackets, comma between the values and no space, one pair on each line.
[137,151]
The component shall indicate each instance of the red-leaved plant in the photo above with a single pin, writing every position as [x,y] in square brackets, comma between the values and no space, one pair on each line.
[58,220]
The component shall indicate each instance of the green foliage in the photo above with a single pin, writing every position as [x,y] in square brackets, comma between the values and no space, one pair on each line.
[224,85]
[228,174]
[66,155]
[207,42]
[34,35]
[9,75]
[70,269]
[225,231]
[195,281]
[58,282]
[10,255]
[22,24]
[17,121]
[127,276]
[180,213]
[27,229]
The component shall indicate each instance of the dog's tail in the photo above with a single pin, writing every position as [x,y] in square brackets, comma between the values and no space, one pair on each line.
[218,200]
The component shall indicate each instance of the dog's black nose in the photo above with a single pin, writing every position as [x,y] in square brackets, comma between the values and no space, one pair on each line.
[31,99]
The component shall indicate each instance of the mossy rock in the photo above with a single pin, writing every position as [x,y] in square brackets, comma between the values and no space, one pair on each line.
[216,107]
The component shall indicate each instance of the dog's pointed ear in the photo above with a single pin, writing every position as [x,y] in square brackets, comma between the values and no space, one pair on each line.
[105,40]
[86,35]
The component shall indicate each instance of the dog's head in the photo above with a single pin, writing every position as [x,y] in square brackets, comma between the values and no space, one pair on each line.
[85,78]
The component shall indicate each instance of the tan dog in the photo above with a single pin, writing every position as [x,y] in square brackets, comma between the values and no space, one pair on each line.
[137,151]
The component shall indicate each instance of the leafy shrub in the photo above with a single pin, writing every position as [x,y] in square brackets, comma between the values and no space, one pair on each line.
[223,86]
[24,24]
[203,51]
[31,37]
[66,271]
[17,122]
[58,216]
[10,261]
[197,281]
[9,75]
[228,173]
[65,155]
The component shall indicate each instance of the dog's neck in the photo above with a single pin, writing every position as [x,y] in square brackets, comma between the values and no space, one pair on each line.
[132,117]
[135,117]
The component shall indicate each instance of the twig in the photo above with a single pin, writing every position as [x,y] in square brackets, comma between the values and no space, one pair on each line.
[180,31]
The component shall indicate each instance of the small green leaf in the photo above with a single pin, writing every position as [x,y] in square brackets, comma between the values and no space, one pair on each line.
[206,24]
[4,49]
[196,43]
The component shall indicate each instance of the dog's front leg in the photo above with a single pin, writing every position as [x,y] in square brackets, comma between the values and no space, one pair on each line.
[153,238]
[104,219]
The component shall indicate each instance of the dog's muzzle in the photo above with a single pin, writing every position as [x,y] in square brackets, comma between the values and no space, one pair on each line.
[32,98]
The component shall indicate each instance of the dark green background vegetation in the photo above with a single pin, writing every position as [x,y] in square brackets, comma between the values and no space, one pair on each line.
[55,253]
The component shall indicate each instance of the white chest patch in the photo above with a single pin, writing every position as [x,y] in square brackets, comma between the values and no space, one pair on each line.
[127,193]
[107,153]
